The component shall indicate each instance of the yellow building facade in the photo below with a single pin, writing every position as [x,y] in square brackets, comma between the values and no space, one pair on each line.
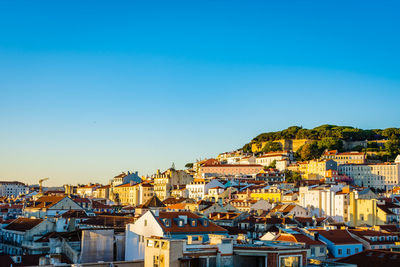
[126,194]
[287,144]
[271,194]
[316,169]
[352,157]
[365,211]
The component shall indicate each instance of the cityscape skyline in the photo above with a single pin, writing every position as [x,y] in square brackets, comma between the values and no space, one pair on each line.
[212,133]
[89,90]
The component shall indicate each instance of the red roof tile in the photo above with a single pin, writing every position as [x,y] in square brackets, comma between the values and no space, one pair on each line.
[337,236]
[23,224]
[47,201]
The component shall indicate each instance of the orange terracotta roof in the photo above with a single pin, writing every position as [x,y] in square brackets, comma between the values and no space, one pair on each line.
[286,237]
[125,185]
[299,238]
[337,236]
[234,165]
[177,206]
[23,224]
[47,201]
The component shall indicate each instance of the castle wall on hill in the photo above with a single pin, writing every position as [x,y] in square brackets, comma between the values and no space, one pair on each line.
[287,144]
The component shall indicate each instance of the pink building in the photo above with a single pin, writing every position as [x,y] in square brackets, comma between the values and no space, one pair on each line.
[231,169]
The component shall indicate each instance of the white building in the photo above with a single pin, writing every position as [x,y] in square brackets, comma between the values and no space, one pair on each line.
[381,175]
[282,165]
[175,225]
[325,201]
[50,207]
[87,190]
[18,236]
[12,189]
[199,188]
[270,157]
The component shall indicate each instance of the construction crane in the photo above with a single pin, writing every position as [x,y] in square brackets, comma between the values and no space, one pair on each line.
[40,184]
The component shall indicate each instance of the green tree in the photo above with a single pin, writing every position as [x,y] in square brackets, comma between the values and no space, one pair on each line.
[360,148]
[272,165]
[393,146]
[330,143]
[189,165]
[309,151]
[292,177]
[247,148]
[271,146]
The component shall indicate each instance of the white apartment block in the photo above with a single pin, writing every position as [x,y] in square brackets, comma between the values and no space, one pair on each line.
[325,201]
[12,189]
[199,188]
[381,175]
[270,157]
[87,190]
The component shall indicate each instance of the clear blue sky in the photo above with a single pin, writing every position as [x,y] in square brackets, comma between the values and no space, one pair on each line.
[91,88]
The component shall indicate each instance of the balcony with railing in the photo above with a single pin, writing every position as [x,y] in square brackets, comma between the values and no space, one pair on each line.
[10,241]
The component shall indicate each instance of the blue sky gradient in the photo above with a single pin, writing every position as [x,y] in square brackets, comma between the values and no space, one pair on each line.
[92,88]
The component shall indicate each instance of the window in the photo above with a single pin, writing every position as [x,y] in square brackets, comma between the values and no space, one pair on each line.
[356,250]
[339,251]
[322,250]
[348,251]
[155,261]
[312,251]
[292,261]
[145,222]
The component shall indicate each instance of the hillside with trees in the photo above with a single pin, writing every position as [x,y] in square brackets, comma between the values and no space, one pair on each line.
[332,137]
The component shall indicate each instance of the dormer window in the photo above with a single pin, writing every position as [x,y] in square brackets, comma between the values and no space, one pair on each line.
[167,223]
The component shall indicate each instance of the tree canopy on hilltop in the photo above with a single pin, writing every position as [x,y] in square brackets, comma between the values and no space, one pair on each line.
[346,133]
